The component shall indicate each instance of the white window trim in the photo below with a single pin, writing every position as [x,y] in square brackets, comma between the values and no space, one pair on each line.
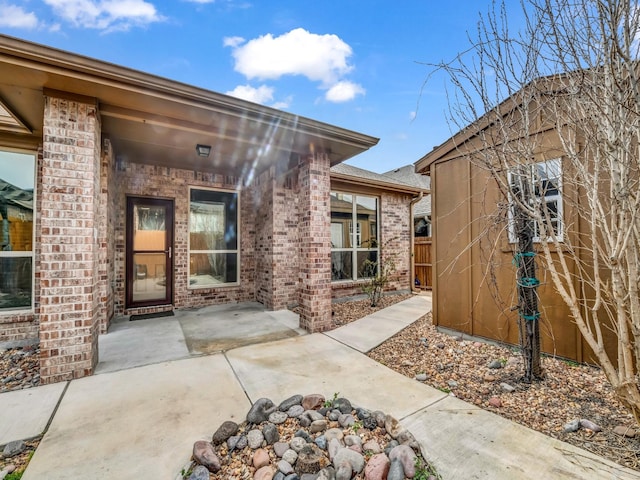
[547,199]
[12,254]
[237,251]
[355,248]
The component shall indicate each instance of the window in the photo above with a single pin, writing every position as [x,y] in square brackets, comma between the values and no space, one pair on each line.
[542,183]
[17,179]
[352,247]
[213,238]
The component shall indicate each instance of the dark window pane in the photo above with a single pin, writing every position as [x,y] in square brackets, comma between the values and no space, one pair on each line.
[341,220]
[341,266]
[367,215]
[213,220]
[15,282]
[367,264]
[211,269]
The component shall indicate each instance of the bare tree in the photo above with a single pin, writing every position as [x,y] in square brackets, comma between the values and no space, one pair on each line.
[556,108]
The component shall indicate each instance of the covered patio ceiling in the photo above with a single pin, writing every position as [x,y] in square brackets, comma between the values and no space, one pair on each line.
[156,121]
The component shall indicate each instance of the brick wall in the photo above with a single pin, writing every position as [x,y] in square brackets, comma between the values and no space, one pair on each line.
[263,201]
[286,241]
[315,243]
[106,241]
[68,277]
[152,181]
[395,236]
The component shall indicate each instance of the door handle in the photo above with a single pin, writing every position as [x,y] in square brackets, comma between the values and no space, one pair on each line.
[169,252]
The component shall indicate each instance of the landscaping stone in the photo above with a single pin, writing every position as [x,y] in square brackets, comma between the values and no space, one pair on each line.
[204,454]
[200,472]
[294,400]
[572,426]
[14,448]
[396,471]
[255,439]
[421,377]
[507,388]
[295,411]
[226,430]
[257,451]
[625,431]
[271,434]
[495,364]
[313,401]
[584,423]
[407,457]
[377,468]
[495,402]
[260,411]
[343,405]
[260,458]
[278,417]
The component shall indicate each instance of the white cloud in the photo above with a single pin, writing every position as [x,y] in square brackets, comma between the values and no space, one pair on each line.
[286,103]
[106,15]
[321,58]
[232,41]
[263,94]
[344,91]
[13,16]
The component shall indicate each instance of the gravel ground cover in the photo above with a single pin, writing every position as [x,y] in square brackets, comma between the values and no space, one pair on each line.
[569,392]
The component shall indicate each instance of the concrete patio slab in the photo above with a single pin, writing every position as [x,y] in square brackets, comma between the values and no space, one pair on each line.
[464,441]
[39,402]
[142,342]
[138,423]
[224,327]
[317,364]
[368,332]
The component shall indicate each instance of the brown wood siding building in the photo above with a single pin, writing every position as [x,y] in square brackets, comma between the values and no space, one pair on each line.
[474,276]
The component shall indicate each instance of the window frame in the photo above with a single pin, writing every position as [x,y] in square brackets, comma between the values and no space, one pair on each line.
[222,251]
[547,199]
[355,235]
[24,254]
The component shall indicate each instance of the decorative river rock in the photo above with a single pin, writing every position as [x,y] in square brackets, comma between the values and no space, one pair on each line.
[318,440]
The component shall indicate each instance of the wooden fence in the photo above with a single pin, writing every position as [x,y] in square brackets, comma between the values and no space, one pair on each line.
[423,262]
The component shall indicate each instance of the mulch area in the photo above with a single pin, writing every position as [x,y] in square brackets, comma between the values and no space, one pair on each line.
[568,392]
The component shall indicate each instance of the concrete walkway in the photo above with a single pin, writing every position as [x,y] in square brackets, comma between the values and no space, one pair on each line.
[142,422]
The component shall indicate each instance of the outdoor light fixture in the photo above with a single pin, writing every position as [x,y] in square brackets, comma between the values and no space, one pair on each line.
[203,150]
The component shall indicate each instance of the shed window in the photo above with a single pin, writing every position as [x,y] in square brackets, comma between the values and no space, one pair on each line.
[213,238]
[354,236]
[17,181]
[541,182]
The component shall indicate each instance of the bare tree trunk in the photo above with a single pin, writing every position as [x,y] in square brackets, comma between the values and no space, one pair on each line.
[529,316]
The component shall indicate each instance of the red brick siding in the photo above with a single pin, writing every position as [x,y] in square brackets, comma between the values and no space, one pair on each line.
[286,242]
[69,189]
[264,187]
[315,243]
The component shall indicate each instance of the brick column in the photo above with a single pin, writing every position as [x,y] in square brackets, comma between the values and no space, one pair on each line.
[315,243]
[69,264]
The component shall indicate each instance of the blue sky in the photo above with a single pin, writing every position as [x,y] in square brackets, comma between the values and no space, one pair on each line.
[356,64]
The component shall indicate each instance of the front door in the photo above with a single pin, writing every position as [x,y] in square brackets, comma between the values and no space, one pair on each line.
[149,252]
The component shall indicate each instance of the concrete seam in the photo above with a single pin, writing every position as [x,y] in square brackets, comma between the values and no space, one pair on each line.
[237,377]
[55,409]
